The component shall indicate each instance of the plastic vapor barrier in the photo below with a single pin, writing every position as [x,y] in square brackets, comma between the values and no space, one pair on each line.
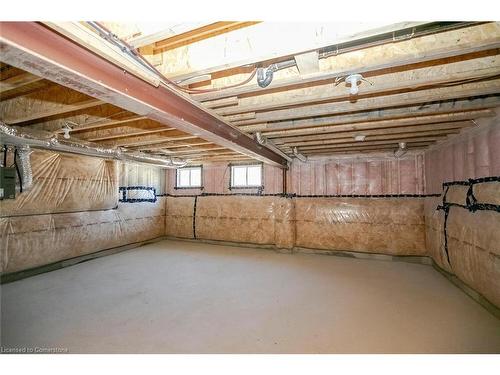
[32,241]
[65,183]
[379,225]
[463,233]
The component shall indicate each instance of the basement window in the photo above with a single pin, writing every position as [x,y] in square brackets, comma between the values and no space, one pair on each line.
[246,176]
[189,177]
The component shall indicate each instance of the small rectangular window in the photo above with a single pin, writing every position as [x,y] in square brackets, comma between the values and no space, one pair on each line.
[246,176]
[189,177]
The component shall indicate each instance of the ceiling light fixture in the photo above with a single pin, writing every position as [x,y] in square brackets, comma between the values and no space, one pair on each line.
[359,137]
[353,80]
[66,129]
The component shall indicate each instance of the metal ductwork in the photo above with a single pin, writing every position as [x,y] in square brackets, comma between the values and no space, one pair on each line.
[299,156]
[43,140]
[401,151]
[262,140]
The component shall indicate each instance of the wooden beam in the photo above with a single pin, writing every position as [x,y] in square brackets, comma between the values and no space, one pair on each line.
[230,101]
[35,48]
[417,79]
[369,138]
[393,100]
[128,135]
[416,50]
[53,110]
[171,145]
[18,81]
[372,143]
[105,124]
[151,140]
[370,150]
[403,123]
[146,39]
[201,33]
[269,41]
[447,111]
[447,126]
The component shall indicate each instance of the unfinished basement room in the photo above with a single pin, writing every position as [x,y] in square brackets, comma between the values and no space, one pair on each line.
[250,187]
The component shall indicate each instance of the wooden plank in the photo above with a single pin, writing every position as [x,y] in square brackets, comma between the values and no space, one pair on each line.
[427,48]
[376,151]
[447,126]
[447,111]
[416,79]
[270,41]
[307,63]
[146,39]
[170,145]
[369,138]
[201,33]
[373,143]
[232,100]
[105,124]
[363,104]
[53,111]
[152,140]
[18,81]
[128,135]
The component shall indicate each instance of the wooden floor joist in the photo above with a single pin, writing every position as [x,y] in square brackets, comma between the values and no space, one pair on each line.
[427,48]
[387,101]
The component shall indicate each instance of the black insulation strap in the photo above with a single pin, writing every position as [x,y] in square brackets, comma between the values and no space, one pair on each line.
[471,203]
[194,216]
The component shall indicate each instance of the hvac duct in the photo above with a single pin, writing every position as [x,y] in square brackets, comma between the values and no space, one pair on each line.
[401,151]
[298,155]
[262,140]
[12,136]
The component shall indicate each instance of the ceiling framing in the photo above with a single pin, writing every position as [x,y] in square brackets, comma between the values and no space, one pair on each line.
[420,89]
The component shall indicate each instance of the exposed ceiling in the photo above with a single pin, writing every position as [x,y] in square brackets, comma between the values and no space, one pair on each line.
[422,83]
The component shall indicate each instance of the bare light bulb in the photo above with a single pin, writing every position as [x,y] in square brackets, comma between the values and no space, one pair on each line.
[353,80]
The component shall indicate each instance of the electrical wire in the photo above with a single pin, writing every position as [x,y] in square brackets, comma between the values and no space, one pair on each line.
[108,35]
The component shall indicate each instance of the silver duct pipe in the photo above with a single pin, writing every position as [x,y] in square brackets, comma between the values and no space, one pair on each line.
[13,136]
[299,156]
[401,151]
[262,140]
[23,153]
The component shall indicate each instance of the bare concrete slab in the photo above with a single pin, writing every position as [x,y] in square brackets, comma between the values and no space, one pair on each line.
[184,297]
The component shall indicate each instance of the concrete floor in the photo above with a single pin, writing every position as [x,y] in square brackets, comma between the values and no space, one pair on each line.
[182,297]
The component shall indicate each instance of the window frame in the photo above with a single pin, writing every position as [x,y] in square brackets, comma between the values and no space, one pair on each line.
[177,187]
[259,187]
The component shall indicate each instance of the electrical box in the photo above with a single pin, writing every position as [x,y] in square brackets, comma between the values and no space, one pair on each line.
[7,183]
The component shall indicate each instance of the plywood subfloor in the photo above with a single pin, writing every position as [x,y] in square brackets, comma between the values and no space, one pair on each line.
[182,297]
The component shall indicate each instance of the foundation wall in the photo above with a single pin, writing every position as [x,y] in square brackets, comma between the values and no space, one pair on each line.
[374,225]
[474,154]
[71,210]
[379,225]
[356,176]
[465,241]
